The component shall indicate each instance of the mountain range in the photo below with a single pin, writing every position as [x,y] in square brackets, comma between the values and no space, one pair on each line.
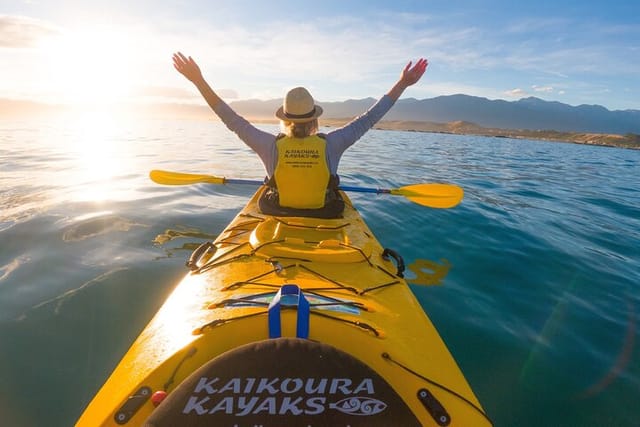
[527,113]
[532,114]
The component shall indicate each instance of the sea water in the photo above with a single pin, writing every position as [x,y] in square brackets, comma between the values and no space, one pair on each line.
[540,306]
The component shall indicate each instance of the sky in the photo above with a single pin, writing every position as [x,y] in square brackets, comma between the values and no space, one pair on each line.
[107,52]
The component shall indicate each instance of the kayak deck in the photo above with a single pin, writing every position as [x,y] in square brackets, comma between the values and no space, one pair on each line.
[329,288]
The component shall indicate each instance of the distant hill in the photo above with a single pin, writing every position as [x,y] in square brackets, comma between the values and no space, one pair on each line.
[531,114]
[528,113]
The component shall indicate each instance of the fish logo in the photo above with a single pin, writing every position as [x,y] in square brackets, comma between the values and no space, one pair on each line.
[359,406]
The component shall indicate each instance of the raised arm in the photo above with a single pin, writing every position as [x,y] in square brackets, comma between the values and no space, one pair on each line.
[188,68]
[409,76]
[258,140]
[342,138]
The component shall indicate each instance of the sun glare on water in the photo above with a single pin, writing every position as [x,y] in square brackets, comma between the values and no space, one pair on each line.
[91,71]
[102,157]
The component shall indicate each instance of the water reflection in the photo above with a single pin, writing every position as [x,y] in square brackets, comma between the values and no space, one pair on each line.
[171,234]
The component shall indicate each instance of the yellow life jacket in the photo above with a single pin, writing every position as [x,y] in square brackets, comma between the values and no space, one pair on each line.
[302,173]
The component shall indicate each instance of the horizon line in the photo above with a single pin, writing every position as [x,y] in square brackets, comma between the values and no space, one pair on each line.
[7,102]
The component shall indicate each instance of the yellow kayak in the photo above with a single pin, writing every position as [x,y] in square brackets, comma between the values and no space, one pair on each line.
[289,321]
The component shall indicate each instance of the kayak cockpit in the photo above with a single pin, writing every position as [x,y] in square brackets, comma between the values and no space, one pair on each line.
[334,241]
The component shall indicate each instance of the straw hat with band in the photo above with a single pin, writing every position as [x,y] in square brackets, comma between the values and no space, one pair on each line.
[298,107]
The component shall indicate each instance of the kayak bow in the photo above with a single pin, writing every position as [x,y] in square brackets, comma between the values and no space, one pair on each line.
[289,321]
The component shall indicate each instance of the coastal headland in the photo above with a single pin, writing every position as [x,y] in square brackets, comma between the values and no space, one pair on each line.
[631,140]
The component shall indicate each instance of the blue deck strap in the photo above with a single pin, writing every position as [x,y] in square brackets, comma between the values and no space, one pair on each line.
[302,326]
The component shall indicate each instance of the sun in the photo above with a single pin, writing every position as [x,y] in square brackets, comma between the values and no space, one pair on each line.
[89,67]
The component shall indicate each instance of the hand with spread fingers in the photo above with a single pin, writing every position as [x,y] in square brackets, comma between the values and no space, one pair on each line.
[410,75]
[187,67]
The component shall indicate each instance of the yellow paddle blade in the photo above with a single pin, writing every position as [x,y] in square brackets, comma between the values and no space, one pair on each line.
[178,178]
[432,195]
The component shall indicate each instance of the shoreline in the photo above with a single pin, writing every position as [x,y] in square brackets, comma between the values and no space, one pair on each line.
[198,112]
[630,141]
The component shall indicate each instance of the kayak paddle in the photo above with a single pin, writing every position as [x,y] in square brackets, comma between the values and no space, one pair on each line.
[432,195]
[181,178]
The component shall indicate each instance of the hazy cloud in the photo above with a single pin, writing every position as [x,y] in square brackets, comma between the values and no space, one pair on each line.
[23,32]
[545,89]
[516,93]
[166,92]
[179,93]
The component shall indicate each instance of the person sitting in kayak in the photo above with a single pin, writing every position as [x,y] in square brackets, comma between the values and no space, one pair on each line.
[301,164]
